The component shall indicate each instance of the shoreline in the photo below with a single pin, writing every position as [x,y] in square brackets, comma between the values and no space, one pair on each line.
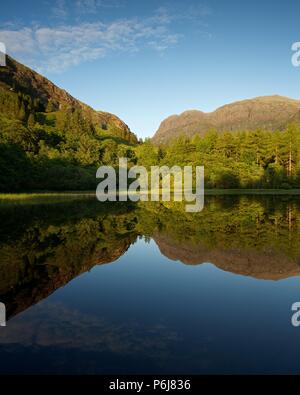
[208,192]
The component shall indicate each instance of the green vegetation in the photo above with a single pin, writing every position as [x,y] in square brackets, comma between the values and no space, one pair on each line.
[50,141]
[48,156]
[216,192]
[42,247]
[235,160]
[61,150]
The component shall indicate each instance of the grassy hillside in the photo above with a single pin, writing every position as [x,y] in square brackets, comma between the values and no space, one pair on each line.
[48,139]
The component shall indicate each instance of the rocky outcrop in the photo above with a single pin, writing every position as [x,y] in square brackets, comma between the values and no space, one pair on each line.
[269,113]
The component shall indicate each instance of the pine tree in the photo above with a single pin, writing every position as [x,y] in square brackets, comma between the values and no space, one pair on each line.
[31,121]
[22,112]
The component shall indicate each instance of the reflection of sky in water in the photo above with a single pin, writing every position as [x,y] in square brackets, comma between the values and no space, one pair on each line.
[146,313]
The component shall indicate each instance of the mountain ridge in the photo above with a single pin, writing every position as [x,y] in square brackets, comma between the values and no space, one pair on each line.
[263,112]
[16,77]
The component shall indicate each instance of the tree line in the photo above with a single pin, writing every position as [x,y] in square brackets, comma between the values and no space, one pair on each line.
[59,148]
[248,159]
[52,148]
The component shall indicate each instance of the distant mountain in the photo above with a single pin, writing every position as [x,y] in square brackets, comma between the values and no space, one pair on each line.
[25,94]
[268,112]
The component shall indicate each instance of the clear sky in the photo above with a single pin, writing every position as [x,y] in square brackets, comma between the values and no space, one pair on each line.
[144,60]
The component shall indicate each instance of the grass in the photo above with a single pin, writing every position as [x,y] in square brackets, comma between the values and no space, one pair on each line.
[41,195]
[75,194]
[252,191]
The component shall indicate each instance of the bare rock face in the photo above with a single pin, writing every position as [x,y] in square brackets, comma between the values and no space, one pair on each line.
[268,112]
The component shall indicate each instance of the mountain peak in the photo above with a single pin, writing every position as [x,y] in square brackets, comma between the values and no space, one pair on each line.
[264,112]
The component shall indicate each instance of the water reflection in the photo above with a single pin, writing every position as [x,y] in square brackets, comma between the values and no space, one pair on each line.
[43,247]
[144,313]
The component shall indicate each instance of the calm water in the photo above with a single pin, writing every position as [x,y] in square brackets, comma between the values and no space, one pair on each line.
[98,289]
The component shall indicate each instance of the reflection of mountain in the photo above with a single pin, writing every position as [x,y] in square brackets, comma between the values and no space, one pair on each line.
[41,281]
[46,257]
[266,264]
[43,247]
[251,236]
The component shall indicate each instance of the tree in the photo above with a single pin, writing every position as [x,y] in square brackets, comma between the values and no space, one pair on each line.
[31,120]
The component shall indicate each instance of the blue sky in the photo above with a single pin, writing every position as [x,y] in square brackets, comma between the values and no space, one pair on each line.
[144,60]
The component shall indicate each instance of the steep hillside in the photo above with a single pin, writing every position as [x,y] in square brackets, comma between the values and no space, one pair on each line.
[23,93]
[48,139]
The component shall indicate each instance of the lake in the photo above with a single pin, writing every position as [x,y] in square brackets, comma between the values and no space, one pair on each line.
[94,288]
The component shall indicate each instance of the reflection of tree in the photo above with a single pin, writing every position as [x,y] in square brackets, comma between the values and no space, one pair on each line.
[46,255]
[246,235]
[43,247]
[240,223]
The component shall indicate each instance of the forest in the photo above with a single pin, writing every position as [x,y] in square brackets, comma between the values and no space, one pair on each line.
[232,160]
[51,149]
